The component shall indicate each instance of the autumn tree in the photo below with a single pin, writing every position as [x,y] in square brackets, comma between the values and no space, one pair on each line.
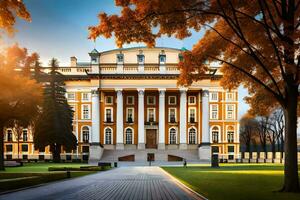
[20,96]
[257,42]
[10,10]
[54,126]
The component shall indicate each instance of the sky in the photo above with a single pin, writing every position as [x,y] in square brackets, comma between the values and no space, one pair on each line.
[59,29]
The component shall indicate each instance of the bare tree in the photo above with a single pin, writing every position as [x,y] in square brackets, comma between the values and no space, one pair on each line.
[263,132]
[248,129]
[277,126]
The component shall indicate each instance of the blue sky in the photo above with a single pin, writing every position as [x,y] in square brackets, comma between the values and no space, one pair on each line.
[59,29]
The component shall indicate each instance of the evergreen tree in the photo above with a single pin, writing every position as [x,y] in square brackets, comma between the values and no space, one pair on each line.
[54,126]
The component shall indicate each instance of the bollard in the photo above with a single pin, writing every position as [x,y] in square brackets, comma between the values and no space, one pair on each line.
[68,174]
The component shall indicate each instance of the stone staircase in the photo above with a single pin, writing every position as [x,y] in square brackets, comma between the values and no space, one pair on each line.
[141,155]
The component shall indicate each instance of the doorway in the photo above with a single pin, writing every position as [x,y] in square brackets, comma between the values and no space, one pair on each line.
[151,139]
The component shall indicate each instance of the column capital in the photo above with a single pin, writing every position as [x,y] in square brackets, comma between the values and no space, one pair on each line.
[141,91]
[95,92]
[183,90]
[162,91]
[119,91]
[205,93]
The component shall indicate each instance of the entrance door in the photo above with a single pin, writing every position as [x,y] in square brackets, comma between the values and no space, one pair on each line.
[151,139]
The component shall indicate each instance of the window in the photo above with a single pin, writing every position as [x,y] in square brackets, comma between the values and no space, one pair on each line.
[215,134]
[172,100]
[9,135]
[192,115]
[85,111]
[214,96]
[192,100]
[151,115]
[108,136]
[230,152]
[141,59]
[9,147]
[85,96]
[85,134]
[120,58]
[172,115]
[85,149]
[172,136]
[24,148]
[230,149]
[192,136]
[108,115]
[71,96]
[128,136]
[214,111]
[162,59]
[130,100]
[229,111]
[230,134]
[25,135]
[151,100]
[229,96]
[130,115]
[109,100]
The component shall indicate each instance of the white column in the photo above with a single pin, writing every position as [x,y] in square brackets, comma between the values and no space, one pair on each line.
[95,117]
[141,121]
[119,121]
[205,117]
[205,148]
[183,120]
[161,123]
[95,148]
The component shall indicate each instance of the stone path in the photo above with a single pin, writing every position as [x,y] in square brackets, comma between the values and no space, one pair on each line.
[120,183]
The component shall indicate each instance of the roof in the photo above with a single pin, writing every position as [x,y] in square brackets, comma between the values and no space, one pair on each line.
[94,51]
[142,47]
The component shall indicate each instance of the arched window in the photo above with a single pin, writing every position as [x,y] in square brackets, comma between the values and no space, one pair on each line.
[128,136]
[172,136]
[215,134]
[85,134]
[192,136]
[108,136]
[230,134]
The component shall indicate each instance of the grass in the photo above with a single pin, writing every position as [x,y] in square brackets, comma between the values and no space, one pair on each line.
[37,173]
[39,167]
[235,181]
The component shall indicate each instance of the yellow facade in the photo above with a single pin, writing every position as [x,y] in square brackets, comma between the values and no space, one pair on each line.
[107,76]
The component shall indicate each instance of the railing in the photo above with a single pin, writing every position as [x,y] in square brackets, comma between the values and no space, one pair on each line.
[114,68]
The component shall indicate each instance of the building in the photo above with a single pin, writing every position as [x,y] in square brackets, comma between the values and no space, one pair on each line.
[128,107]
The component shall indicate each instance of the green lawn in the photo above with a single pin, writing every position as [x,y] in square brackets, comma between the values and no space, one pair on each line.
[37,173]
[39,167]
[234,181]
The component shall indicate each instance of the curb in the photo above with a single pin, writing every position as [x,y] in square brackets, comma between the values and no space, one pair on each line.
[43,184]
[184,187]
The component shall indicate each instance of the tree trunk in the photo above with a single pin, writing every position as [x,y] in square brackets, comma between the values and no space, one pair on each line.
[273,150]
[1,147]
[56,153]
[291,180]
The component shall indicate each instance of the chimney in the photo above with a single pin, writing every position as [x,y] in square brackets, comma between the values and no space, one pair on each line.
[73,61]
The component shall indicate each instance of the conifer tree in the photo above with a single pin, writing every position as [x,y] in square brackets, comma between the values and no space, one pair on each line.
[54,126]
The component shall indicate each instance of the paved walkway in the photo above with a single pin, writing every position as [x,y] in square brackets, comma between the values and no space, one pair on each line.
[120,183]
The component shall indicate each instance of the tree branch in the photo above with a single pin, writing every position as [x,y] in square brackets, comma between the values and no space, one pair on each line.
[276,95]
[273,43]
[249,46]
